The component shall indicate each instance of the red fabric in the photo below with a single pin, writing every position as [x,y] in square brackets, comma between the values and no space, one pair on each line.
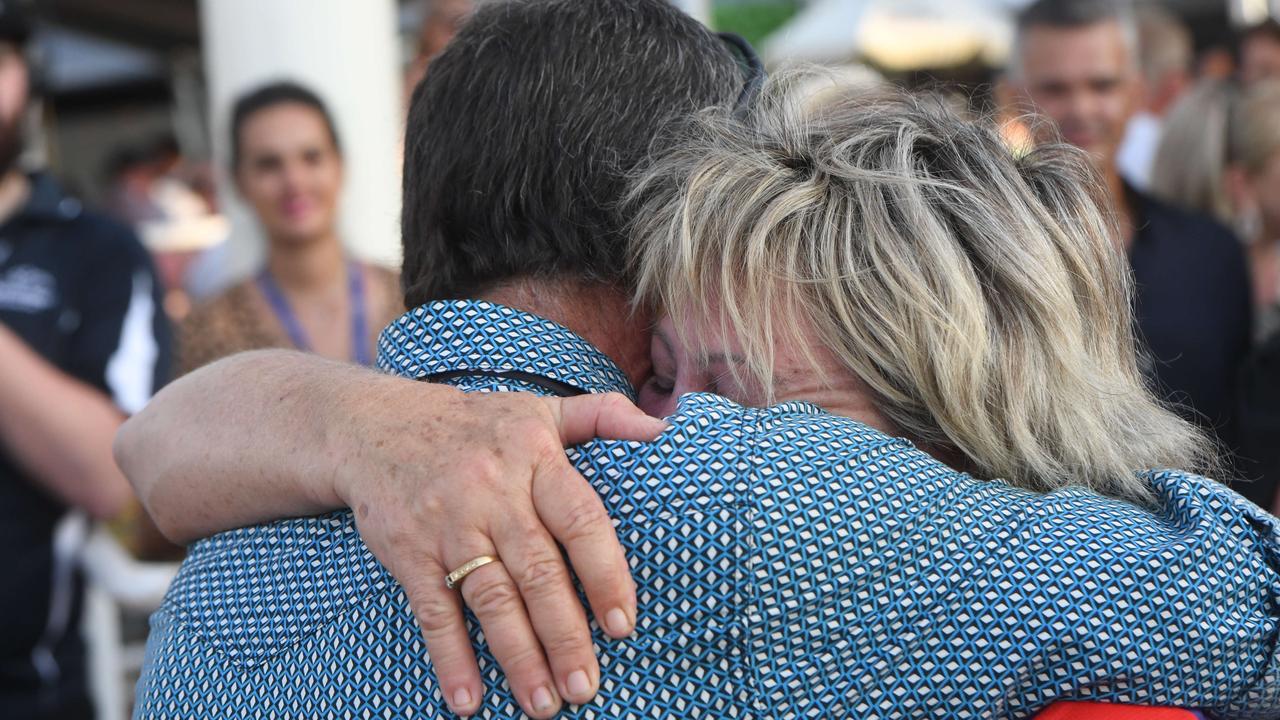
[1101,711]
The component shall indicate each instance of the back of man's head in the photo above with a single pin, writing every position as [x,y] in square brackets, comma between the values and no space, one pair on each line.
[520,139]
[1072,15]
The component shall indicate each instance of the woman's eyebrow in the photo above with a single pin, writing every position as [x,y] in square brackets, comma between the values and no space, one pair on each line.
[710,359]
[666,342]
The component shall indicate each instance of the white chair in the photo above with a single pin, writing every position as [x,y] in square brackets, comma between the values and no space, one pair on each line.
[116,583]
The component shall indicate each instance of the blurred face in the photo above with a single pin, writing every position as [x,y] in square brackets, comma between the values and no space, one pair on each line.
[441,24]
[679,369]
[1264,190]
[14,94]
[290,172]
[1084,79]
[1259,58]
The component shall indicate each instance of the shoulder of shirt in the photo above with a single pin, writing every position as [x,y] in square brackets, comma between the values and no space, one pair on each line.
[801,436]
[215,327]
[212,311]
[785,428]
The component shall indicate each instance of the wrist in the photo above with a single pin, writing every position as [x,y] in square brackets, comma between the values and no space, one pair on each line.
[341,438]
[375,426]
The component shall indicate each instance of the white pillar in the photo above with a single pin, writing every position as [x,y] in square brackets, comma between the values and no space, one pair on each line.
[348,53]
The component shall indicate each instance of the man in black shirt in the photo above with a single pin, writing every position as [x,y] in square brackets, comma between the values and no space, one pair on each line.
[1076,62]
[83,343]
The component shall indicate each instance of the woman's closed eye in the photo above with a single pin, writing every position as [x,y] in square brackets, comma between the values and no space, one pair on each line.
[657,396]
[660,385]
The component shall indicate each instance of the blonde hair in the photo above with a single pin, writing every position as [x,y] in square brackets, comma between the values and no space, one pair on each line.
[1255,127]
[1191,159]
[1213,127]
[980,297]
[1164,44]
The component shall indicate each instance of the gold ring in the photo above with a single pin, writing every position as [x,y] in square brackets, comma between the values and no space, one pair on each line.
[452,579]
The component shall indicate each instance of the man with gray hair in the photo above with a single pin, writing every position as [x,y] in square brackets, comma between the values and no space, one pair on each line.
[1076,62]
[1165,56]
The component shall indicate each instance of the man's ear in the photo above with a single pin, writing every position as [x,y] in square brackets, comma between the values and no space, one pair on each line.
[1238,188]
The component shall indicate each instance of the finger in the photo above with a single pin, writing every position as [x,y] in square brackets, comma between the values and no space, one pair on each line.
[494,598]
[608,415]
[535,563]
[444,629]
[571,510]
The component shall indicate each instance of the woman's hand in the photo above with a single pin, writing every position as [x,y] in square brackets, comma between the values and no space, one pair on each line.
[487,475]
[435,478]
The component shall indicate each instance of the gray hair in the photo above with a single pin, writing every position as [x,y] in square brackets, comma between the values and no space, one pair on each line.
[1214,126]
[981,297]
[1255,127]
[1191,160]
[1073,14]
[1164,44]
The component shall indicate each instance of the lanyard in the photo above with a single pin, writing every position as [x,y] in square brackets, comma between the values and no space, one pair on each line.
[355,290]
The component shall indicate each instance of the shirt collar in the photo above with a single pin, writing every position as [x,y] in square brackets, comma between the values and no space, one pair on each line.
[456,335]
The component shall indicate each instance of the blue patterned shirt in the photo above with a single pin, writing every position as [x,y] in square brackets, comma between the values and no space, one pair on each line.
[789,564]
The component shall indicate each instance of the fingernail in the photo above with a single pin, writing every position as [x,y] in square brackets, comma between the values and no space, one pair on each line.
[617,623]
[542,700]
[579,683]
[462,698]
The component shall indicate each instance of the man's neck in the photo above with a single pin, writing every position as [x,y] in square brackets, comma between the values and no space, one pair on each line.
[306,268]
[15,189]
[601,314]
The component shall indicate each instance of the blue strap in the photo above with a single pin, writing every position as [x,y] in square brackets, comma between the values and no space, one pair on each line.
[284,313]
[359,329]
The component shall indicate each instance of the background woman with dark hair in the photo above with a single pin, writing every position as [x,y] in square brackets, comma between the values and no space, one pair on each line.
[310,295]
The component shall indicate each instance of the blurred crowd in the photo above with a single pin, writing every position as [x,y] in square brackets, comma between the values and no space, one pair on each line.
[101,306]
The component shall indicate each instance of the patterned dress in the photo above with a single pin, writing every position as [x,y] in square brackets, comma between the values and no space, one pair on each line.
[790,564]
[240,319]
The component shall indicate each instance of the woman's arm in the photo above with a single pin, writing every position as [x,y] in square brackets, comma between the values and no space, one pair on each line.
[274,434]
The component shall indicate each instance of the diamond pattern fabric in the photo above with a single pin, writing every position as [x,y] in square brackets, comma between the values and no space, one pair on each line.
[790,564]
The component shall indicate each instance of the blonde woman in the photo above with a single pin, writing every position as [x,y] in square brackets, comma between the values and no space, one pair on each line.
[1253,184]
[287,163]
[883,260]
[1221,154]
